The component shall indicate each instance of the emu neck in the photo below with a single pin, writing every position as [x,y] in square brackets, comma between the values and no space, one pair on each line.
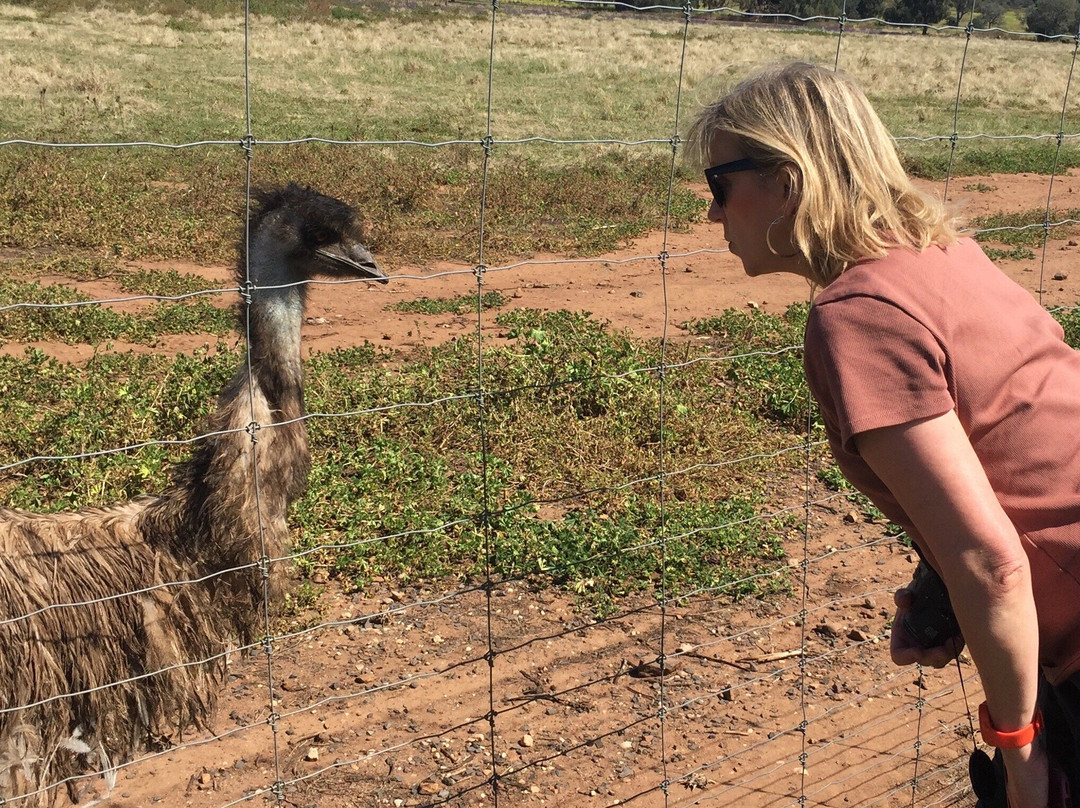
[272,323]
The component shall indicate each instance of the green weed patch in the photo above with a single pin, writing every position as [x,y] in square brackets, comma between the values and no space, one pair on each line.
[1015,254]
[1026,228]
[441,305]
[94,323]
[766,369]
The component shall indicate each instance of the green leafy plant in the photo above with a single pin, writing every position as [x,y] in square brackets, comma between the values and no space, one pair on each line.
[458,305]
[1015,254]
[766,361]
[44,315]
[1070,322]
[1025,228]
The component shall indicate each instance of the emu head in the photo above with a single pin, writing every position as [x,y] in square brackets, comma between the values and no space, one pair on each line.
[297,233]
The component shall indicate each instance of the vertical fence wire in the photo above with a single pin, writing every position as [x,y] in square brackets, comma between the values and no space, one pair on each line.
[920,703]
[1060,138]
[662,376]
[842,20]
[265,562]
[661,415]
[486,506]
[954,137]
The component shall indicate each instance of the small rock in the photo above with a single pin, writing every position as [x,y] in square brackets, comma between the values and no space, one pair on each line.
[829,630]
[527,740]
[429,788]
[312,753]
[637,294]
[1061,276]
[856,635]
[750,304]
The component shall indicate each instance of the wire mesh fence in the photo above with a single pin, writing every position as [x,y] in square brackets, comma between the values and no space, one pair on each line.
[767,687]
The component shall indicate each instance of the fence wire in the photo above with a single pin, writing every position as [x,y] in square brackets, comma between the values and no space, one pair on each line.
[691,746]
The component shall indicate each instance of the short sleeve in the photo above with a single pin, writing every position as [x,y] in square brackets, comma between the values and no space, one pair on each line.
[870,364]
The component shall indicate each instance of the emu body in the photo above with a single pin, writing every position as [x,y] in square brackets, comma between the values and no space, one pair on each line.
[114,621]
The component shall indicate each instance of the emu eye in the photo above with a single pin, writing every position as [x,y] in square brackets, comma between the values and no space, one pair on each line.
[321,237]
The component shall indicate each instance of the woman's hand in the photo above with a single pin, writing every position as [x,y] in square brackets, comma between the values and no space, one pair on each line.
[1028,776]
[906,650]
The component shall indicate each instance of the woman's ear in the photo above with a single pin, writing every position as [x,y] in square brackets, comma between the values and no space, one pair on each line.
[792,181]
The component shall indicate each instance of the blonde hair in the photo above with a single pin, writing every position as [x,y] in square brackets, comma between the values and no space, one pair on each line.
[855,200]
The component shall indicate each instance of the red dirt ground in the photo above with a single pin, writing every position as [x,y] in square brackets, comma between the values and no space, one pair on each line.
[385,703]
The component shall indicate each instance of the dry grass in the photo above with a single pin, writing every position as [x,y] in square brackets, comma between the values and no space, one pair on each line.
[561,75]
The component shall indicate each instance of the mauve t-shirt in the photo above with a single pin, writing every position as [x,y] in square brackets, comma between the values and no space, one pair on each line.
[914,335]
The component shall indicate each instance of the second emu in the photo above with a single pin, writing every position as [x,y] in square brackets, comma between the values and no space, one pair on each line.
[100,656]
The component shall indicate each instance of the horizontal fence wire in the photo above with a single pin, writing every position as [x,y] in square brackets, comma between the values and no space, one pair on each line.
[709,649]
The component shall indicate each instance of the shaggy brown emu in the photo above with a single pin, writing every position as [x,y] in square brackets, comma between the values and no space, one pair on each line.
[100,656]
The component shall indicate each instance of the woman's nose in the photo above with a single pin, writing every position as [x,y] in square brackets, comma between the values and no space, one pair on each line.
[716,213]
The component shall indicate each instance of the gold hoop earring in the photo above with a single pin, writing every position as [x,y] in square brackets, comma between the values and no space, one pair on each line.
[768,240]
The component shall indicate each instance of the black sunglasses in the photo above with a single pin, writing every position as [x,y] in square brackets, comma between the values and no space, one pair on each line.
[712,176]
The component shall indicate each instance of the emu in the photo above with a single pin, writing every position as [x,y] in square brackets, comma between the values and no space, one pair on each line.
[102,652]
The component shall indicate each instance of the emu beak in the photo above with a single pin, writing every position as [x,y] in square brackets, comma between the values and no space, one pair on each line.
[351,258]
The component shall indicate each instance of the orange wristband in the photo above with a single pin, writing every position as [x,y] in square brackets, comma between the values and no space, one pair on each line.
[1015,739]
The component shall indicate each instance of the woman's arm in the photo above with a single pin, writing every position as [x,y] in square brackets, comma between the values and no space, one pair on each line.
[931,468]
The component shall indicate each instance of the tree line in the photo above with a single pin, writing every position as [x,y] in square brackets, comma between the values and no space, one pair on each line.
[1043,17]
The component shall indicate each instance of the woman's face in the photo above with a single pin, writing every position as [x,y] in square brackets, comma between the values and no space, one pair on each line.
[753,200]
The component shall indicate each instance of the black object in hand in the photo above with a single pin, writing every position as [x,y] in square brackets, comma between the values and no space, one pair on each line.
[930,621]
[987,780]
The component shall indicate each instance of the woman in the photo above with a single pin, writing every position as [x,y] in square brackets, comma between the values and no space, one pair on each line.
[948,394]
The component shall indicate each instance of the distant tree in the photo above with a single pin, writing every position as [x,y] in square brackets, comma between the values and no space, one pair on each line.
[1052,17]
[811,8]
[923,12]
[991,12]
[797,8]
[867,8]
[761,6]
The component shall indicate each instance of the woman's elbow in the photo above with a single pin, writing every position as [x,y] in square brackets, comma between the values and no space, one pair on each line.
[1002,574]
